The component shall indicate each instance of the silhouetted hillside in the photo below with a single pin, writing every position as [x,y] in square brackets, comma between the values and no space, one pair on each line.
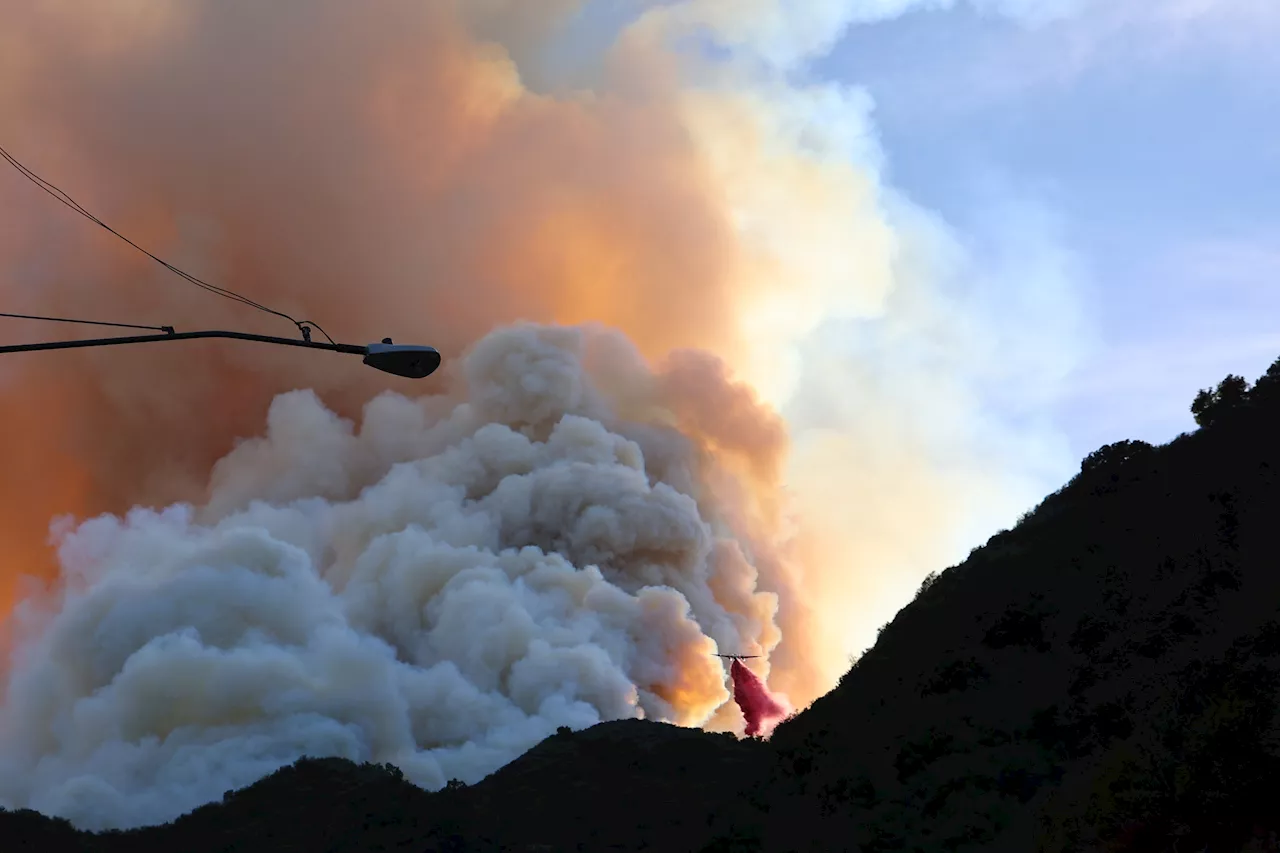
[624,785]
[1103,677]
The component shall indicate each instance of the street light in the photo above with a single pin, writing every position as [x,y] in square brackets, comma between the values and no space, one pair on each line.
[412,362]
[407,360]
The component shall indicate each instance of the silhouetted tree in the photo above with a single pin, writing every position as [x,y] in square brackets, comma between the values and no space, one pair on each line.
[1209,405]
[1115,454]
[1267,388]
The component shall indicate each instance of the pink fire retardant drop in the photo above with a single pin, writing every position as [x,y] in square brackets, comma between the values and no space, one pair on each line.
[759,708]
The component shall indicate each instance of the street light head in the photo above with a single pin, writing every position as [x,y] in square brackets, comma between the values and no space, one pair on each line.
[412,362]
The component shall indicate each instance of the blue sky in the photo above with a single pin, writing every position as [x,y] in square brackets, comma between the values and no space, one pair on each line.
[1150,143]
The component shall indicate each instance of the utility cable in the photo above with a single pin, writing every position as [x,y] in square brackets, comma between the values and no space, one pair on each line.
[165,329]
[304,326]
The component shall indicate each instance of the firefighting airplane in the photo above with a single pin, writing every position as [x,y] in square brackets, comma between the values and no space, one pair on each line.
[737,657]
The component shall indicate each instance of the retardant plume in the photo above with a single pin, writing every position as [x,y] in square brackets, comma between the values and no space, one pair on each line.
[761,711]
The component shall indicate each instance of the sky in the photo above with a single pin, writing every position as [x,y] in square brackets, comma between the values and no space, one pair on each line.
[1146,141]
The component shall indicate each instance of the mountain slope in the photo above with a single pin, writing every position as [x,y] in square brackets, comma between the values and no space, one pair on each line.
[1105,674]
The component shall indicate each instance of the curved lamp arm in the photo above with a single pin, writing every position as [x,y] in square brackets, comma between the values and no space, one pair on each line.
[412,362]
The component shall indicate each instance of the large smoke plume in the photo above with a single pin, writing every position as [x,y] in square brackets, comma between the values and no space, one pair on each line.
[572,518]
[440,589]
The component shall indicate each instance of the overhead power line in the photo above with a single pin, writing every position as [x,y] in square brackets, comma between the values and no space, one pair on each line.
[304,326]
[166,329]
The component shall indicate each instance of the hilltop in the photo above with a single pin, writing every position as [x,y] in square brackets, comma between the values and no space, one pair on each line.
[623,785]
[1104,676]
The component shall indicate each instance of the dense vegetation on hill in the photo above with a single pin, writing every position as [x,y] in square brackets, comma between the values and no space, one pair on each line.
[1105,676]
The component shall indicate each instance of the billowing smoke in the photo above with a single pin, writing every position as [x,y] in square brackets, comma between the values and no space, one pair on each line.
[440,589]
[573,517]
[759,707]
[384,174]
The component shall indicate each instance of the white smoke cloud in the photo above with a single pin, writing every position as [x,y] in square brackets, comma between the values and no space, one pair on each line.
[440,590]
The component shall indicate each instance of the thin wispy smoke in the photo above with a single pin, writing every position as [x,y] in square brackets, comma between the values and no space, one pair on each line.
[573,518]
